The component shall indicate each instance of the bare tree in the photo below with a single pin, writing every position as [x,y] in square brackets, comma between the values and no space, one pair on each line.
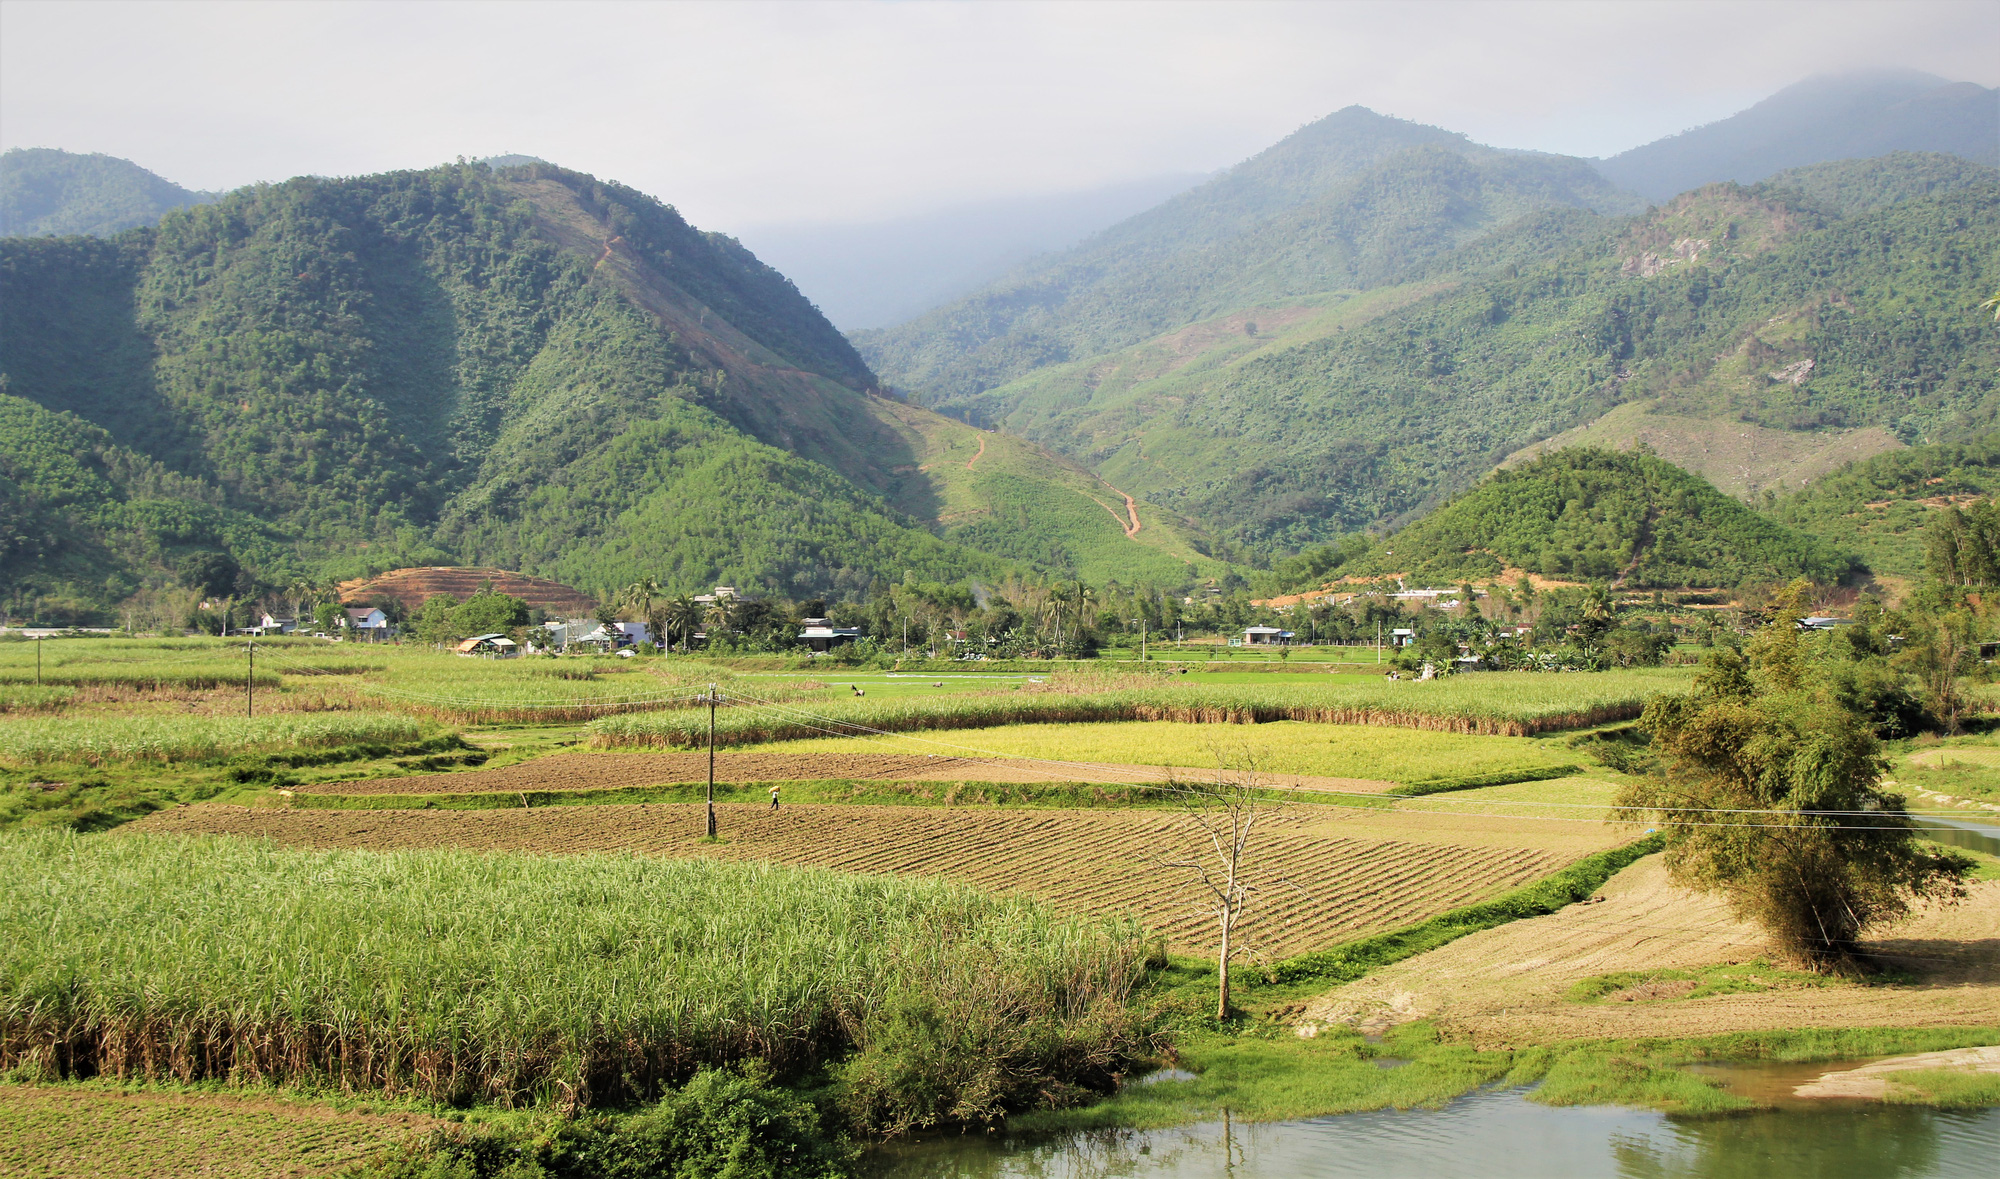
[1221,817]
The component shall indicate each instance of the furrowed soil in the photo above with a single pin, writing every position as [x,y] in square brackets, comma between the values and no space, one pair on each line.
[84,1133]
[1508,986]
[612,771]
[1328,873]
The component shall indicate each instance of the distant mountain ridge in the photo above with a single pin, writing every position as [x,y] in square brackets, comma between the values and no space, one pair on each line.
[1346,201]
[1832,117]
[46,191]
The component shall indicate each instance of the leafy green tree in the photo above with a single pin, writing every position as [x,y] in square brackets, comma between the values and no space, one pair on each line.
[1770,796]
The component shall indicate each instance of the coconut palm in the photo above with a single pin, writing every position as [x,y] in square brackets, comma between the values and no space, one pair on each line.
[680,616]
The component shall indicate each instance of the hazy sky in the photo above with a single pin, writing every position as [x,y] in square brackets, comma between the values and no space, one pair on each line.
[757,113]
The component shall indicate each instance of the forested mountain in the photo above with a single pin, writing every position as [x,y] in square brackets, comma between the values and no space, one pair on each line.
[1289,422]
[1881,508]
[1347,201]
[1628,518]
[521,367]
[1834,117]
[44,191]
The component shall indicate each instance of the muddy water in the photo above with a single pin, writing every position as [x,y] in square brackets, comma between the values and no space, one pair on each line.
[1497,1134]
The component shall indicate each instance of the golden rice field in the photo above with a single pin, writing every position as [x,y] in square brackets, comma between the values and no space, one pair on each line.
[1278,748]
[1329,874]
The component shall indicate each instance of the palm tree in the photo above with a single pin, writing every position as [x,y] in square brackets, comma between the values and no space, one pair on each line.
[681,615]
[719,617]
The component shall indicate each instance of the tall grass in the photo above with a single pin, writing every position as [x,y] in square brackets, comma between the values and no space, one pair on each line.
[29,698]
[568,690]
[1510,704]
[101,739]
[512,978]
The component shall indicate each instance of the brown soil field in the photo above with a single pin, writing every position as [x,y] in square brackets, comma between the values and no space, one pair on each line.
[1330,873]
[1507,985]
[613,771]
[89,1133]
[412,587]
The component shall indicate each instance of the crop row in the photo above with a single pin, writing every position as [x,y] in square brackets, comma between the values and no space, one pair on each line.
[1512,704]
[192,738]
[1322,886]
[576,980]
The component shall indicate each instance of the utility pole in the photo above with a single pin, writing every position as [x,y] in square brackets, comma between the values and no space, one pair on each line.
[711,761]
[250,683]
[38,661]
[1378,640]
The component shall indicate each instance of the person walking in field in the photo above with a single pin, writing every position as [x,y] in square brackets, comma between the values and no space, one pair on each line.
[774,797]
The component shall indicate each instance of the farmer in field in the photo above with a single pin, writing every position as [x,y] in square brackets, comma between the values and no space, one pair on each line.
[774,796]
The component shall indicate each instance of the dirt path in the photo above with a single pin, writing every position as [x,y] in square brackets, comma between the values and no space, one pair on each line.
[1508,985]
[1130,521]
[613,771]
[982,452]
[606,256]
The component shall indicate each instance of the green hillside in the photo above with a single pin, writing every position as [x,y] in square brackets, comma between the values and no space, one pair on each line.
[519,367]
[45,191]
[1880,508]
[1847,187]
[1347,201]
[1286,423]
[1629,518]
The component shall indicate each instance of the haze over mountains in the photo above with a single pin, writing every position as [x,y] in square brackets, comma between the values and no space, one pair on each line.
[510,363]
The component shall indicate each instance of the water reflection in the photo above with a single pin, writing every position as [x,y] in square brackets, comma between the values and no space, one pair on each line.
[1495,1135]
[1983,837]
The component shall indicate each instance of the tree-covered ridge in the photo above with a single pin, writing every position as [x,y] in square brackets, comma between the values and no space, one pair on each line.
[1847,187]
[1883,508]
[1347,201]
[1772,311]
[46,191]
[319,376]
[1586,514]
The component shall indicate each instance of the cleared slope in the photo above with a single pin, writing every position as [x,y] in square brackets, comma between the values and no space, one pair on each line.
[1739,457]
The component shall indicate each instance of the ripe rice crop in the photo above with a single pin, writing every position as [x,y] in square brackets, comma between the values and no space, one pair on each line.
[578,981]
[1510,704]
[191,738]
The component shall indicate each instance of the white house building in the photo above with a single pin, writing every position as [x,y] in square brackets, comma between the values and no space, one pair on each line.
[366,622]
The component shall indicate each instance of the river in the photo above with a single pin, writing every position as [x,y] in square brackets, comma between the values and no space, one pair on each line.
[1498,1134]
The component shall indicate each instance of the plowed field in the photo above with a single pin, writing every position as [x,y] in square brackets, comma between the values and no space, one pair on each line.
[612,771]
[93,1134]
[1328,875]
[1507,986]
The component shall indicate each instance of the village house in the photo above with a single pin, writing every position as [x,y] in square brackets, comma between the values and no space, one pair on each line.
[493,646]
[617,635]
[822,636]
[1265,636]
[366,622]
[270,624]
